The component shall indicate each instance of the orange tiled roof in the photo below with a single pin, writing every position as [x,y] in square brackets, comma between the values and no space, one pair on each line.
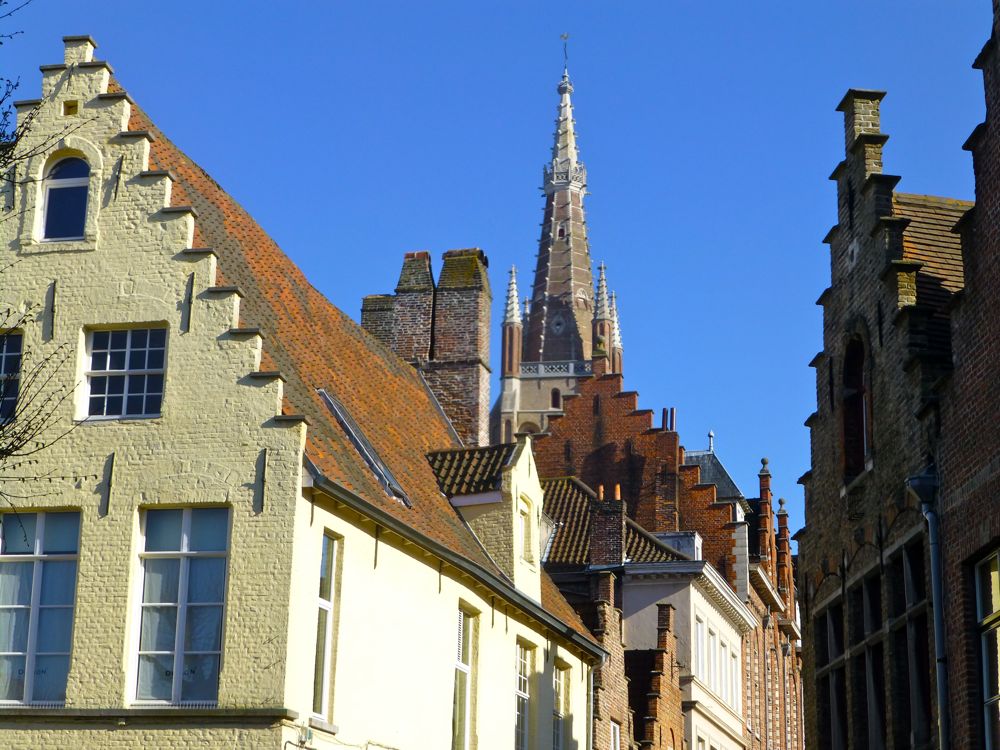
[315,345]
[469,471]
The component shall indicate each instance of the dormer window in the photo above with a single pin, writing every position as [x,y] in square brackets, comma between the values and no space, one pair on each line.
[66,199]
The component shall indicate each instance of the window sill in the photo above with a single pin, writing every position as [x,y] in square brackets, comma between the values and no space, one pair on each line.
[138,711]
[105,420]
[70,245]
[323,726]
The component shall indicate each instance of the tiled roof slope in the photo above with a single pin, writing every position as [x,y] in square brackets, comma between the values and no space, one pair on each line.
[470,471]
[930,240]
[315,345]
[570,504]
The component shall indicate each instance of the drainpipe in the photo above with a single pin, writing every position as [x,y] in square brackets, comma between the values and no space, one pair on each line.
[924,487]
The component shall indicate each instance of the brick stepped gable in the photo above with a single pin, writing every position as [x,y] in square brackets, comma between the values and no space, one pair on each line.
[603,438]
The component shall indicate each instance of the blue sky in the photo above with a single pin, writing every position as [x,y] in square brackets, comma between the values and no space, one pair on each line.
[355,132]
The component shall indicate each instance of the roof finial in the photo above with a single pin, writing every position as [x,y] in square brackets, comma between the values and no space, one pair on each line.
[616,330]
[602,310]
[565,40]
[512,314]
[711,441]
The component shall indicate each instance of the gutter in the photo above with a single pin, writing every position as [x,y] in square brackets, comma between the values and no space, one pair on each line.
[924,487]
[482,576]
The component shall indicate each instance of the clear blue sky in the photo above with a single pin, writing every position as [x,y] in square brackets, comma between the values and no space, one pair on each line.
[354,132]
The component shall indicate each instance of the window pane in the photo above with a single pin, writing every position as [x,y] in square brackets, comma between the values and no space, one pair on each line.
[18,533]
[155,678]
[69,168]
[163,530]
[58,582]
[161,580]
[118,339]
[66,212]
[139,337]
[203,630]
[989,587]
[991,662]
[201,678]
[15,583]
[62,533]
[13,629]
[55,630]
[158,629]
[50,678]
[326,569]
[319,665]
[100,340]
[209,529]
[207,579]
[993,725]
[11,678]
[157,338]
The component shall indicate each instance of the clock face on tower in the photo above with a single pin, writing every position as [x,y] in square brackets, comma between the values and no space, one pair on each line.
[558,324]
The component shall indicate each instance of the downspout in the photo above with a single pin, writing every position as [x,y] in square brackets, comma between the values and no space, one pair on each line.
[590,708]
[924,487]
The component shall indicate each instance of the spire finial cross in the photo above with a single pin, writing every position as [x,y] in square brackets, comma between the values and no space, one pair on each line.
[565,41]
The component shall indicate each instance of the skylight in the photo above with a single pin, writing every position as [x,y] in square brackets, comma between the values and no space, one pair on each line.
[360,442]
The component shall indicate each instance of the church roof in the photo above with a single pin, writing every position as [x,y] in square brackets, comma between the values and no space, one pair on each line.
[571,504]
[317,347]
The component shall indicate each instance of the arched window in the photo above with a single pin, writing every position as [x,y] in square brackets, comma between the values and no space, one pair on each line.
[556,399]
[857,411]
[66,199]
[508,432]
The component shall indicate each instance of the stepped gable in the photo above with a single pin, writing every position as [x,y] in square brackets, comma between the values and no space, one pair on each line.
[930,240]
[315,345]
[471,471]
[570,503]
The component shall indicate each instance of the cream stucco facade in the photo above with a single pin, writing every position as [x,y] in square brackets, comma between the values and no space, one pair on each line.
[220,440]
[711,622]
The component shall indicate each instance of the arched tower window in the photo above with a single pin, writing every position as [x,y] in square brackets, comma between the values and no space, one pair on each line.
[508,432]
[556,399]
[66,199]
[857,411]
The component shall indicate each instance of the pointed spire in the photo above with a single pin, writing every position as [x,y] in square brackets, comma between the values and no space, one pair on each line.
[616,330]
[527,306]
[566,167]
[602,310]
[512,313]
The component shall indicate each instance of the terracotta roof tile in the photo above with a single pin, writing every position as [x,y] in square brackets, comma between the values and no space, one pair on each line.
[469,471]
[570,503]
[315,345]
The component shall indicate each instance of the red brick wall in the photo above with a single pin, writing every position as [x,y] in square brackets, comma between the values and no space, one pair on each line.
[970,421]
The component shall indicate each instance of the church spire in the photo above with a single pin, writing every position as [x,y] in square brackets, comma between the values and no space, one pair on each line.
[617,350]
[602,310]
[559,325]
[512,313]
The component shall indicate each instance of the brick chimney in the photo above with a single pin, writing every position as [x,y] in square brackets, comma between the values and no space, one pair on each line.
[607,529]
[413,308]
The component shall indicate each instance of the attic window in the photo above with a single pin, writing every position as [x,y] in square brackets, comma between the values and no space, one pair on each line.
[71,108]
[360,442]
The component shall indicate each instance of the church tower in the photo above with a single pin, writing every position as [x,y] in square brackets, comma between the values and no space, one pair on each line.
[567,326]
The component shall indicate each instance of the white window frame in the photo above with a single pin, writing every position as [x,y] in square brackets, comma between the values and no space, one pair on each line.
[128,373]
[616,736]
[328,606]
[185,555]
[463,670]
[38,558]
[989,623]
[723,671]
[66,182]
[522,695]
[699,648]
[712,659]
[560,705]
[734,679]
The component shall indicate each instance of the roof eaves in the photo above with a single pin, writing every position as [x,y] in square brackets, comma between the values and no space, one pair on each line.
[487,578]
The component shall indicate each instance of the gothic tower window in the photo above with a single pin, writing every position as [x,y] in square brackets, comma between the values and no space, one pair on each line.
[556,399]
[66,199]
[856,412]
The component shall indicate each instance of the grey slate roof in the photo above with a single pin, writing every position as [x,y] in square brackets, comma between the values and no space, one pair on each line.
[713,472]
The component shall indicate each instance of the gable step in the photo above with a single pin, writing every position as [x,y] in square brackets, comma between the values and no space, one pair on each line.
[267,375]
[223,290]
[125,134]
